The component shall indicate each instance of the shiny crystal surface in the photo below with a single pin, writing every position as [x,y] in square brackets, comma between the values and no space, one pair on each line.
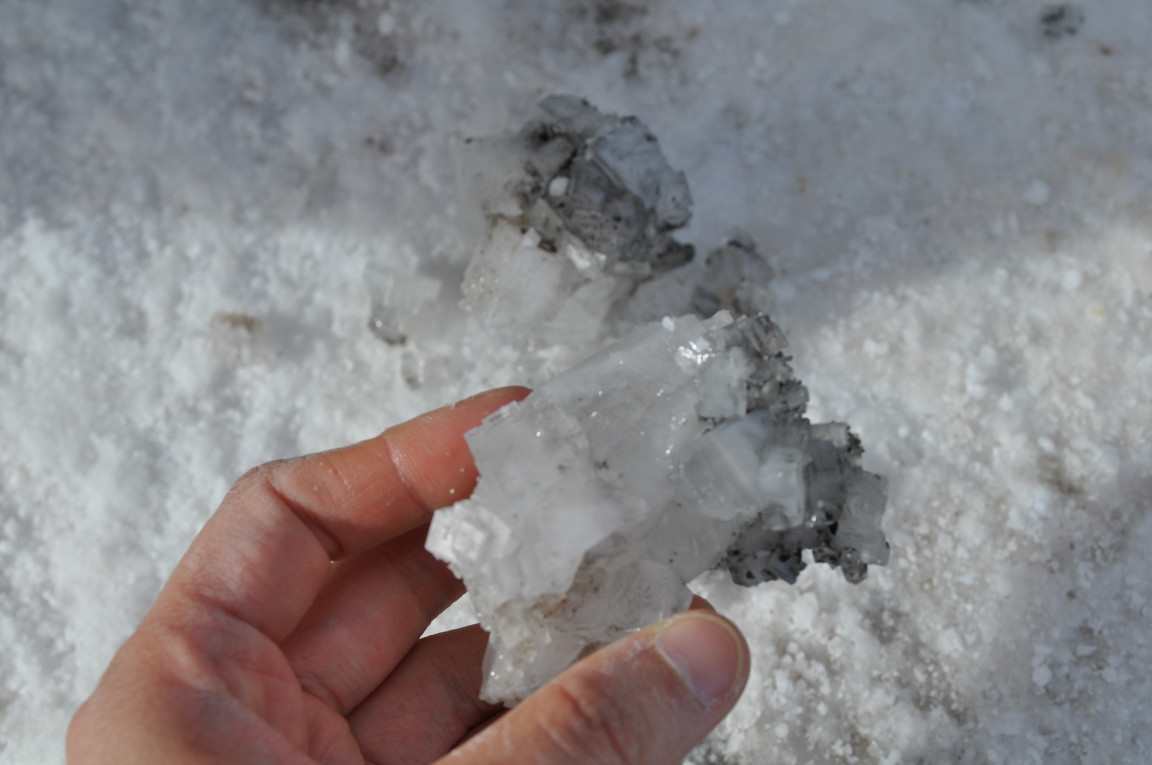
[680,448]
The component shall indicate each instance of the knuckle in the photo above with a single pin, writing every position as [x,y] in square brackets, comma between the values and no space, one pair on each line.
[252,481]
[250,477]
[591,724]
[317,688]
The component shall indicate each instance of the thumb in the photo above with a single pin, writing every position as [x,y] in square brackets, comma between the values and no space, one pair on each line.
[648,698]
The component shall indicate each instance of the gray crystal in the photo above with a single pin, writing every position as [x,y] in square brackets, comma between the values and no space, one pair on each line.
[732,277]
[596,203]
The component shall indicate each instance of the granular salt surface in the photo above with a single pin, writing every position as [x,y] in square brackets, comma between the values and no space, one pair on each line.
[954,201]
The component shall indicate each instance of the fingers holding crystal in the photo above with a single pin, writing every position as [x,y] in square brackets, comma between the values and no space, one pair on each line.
[429,702]
[367,618]
[267,552]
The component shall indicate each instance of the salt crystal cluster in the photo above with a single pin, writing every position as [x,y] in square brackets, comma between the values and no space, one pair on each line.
[580,208]
[680,448]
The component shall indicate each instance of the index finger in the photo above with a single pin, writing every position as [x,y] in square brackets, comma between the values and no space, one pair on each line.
[264,555]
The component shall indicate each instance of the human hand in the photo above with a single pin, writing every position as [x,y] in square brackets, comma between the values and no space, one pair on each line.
[290,633]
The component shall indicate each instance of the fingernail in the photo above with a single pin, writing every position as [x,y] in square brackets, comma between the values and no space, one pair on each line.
[704,650]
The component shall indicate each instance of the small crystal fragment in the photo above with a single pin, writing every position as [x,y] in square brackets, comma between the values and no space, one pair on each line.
[397,298]
[732,277]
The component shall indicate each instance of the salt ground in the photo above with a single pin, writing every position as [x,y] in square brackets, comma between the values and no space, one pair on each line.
[955,202]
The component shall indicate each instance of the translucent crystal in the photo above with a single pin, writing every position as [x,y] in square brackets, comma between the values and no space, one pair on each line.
[680,448]
[397,298]
[585,204]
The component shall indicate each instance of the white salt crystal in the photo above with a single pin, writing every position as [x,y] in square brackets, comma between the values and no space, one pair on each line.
[680,448]
[558,186]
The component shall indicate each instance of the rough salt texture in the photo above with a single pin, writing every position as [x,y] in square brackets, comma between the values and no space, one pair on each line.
[680,448]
